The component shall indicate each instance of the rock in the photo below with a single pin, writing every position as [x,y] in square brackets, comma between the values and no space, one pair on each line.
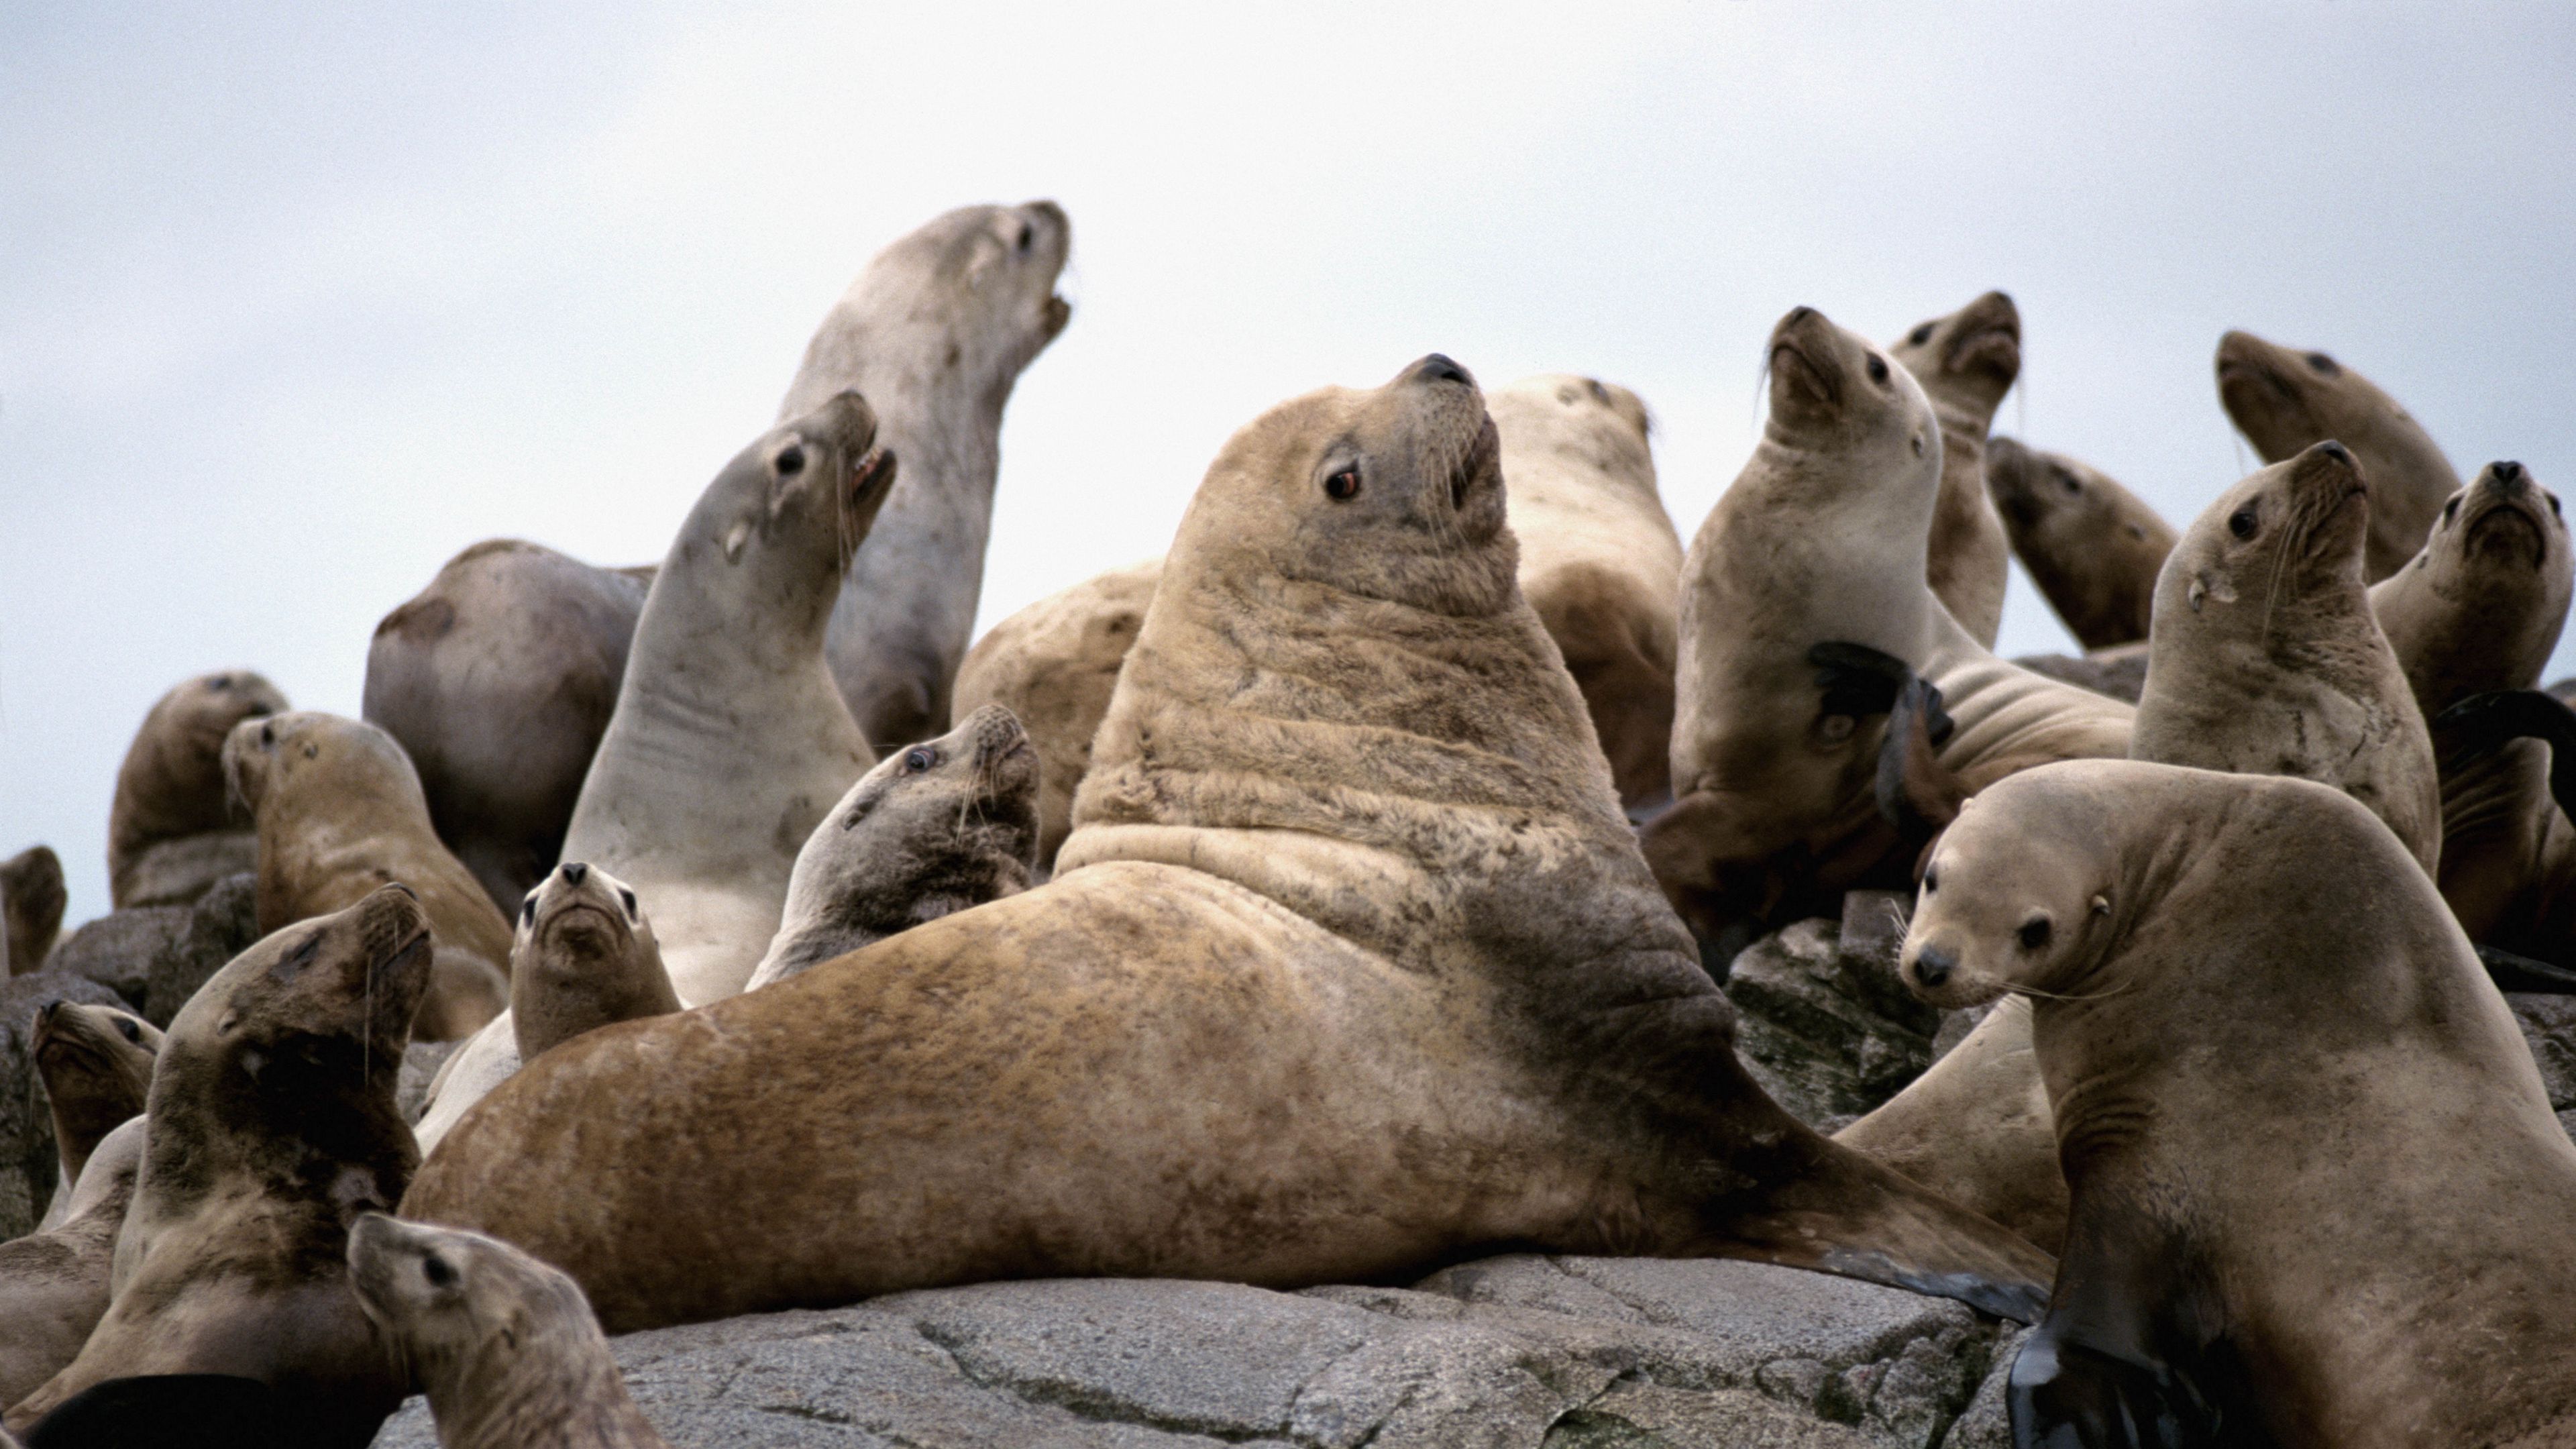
[1987,1424]
[31,904]
[179,871]
[1955,1026]
[421,1061]
[118,950]
[2549,1024]
[29,1161]
[1830,1033]
[222,924]
[1564,1352]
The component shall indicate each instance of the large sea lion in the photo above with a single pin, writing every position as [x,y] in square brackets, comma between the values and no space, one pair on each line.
[584,955]
[96,1062]
[2092,546]
[339,813]
[170,836]
[498,680]
[506,1348]
[32,898]
[935,828]
[54,1282]
[2279,1074]
[1966,362]
[2285,402]
[1350,966]
[730,740]
[1053,665]
[934,333]
[1820,543]
[271,1128]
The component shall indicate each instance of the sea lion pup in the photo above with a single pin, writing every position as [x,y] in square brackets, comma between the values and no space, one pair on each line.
[1966,362]
[339,813]
[2285,402]
[498,680]
[96,1062]
[170,835]
[730,739]
[1349,873]
[2092,546]
[932,830]
[271,1127]
[584,955]
[2278,1072]
[934,333]
[505,1347]
[31,901]
[1053,665]
[55,1280]
[1821,541]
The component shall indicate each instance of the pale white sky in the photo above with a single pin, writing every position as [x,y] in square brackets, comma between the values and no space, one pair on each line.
[293,307]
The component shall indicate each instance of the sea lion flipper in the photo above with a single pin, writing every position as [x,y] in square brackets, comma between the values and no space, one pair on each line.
[2526,975]
[1856,679]
[1915,793]
[2484,722]
[2065,1395]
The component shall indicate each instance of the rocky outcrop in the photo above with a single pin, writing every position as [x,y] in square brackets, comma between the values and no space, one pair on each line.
[1822,1021]
[29,1160]
[155,957]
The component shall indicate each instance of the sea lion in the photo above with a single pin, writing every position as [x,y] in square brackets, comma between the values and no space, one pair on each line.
[1965,363]
[505,1347]
[1349,878]
[934,333]
[2278,1073]
[584,955]
[498,680]
[55,1280]
[339,813]
[1053,665]
[170,836]
[96,1062]
[2285,402]
[730,740]
[933,829]
[271,1127]
[1821,542]
[31,906]
[2092,546]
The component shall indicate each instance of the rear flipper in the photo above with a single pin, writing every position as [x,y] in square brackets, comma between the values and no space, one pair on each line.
[2064,1395]
[2484,722]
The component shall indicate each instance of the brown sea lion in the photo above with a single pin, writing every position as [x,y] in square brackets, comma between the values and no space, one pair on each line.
[506,1348]
[1349,879]
[54,1282]
[934,829]
[339,813]
[2092,546]
[2278,1074]
[1966,362]
[271,1128]
[96,1062]
[2285,402]
[170,836]
[32,898]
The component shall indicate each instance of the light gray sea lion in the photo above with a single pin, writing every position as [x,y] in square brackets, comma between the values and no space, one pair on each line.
[170,835]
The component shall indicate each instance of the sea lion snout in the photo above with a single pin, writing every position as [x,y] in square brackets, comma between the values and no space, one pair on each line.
[1438,367]
[1932,966]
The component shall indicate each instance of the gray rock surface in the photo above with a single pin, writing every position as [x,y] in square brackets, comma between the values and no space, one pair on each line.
[1555,1352]
[1822,1021]
[2549,1024]
[223,923]
[29,1161]
[118,949]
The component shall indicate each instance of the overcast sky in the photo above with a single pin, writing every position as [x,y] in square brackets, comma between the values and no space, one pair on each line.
[295,302]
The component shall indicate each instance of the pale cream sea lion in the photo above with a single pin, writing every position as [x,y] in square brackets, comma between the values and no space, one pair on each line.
[96,1062]
[170,836]
[1966,362]
[1349,881]
[54,1282]
[2093,547]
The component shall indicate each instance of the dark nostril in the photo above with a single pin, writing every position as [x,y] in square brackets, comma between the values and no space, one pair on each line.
[1932,965]
[2336,451]
[1798,314]
[1439,368]
[2509,474]
[575,872]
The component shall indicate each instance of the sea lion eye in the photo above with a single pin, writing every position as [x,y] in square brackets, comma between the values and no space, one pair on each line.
[2073,483]
[528,910]
[268,734]
[628,897]
[1931,880]
[2323,363]
[917,760]
[2553,505]
[790,462]
[220,681]
[126,1029]
[1343,486]
[2034,933]
[1877,368]
[1920,335]
[435,1269]
[2451,509]
[2241,523]
[1028,234]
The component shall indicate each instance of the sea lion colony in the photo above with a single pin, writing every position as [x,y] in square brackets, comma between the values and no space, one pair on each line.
[1400,822]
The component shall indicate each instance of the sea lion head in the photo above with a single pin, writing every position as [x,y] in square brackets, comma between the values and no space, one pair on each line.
[786,514]
[1593,425]
[932,829]
[97,1066]
[2287,538]
[172,780]
[1836,394]
[1392,494]
[292,1048]
[971,291]
[463,1309]
[2283,399]
[1968,360]
[581,950]
[2016,897]
[2481,606]
[308,754]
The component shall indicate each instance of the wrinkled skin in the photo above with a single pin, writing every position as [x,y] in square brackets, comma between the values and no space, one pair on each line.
[96,1062]
[1348,878]
[55,1280]
[934,829]
[32,898]
[2278,1071]
[1966,362]
[339,812]
[2093,547]
[170,835]
[2285,401]
[270,1128]
[504,1346]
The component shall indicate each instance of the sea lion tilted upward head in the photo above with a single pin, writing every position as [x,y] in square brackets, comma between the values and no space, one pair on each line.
[933,829]
[1349,877]
[271,1127]
[169,834]
[97,1065]
[2092,546]
[1966,362]
[2318,1195]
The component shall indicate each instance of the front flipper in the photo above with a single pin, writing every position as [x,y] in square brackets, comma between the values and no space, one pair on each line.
[2063,1395]
[2525,975]
[2484,722]
[1915,793]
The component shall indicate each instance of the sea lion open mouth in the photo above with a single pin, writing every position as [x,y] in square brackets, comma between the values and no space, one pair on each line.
[870,470]
[1058,313]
